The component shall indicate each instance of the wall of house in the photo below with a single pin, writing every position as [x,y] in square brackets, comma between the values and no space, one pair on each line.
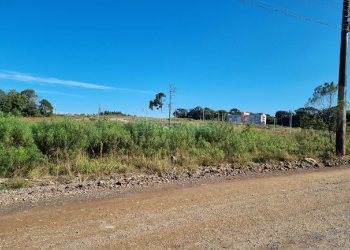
[248,118]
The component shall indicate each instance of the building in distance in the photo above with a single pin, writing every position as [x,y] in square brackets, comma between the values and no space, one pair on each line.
[247,118]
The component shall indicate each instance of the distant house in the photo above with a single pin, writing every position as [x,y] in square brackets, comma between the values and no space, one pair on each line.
[247,118]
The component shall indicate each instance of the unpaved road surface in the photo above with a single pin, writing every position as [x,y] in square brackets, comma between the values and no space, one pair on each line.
[300,210]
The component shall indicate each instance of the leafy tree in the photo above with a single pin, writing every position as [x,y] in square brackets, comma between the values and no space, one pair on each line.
[30,93]
[324,99]
[24,103]
[196,113]
[270,119]
[31,108]
[235,111]
[282,118]
[16,102]
[2,98]
[157,102]
[180,113]
[45,107]
[308,117]
[210,114]
[2,94]
[221,114]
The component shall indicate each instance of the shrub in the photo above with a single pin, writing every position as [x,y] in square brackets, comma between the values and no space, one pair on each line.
[107,138]
[18,152]
[61,140]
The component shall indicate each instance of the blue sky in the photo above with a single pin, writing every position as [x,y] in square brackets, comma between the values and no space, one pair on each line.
[117,54]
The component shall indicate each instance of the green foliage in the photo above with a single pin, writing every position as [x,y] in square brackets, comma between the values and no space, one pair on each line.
[65,147]
[18,152]
[45,107]
[324,99]
[24,103]
[209,114]
[14,183]
[324,96]
[312,143]
[61,140]
[157,102]
[282,118]
[107,138]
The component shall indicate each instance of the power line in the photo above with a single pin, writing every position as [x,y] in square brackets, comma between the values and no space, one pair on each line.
[335,5]
[287,12]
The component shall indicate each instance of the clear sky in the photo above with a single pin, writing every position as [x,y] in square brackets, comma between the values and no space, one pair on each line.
[220,54]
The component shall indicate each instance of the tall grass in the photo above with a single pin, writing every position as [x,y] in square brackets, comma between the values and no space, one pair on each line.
[65,147]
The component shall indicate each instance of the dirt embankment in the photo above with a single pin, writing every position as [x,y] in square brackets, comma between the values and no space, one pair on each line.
[291,211]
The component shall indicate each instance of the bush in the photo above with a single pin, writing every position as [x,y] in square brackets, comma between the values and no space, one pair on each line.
[107,138]
[18,152]
[61,140]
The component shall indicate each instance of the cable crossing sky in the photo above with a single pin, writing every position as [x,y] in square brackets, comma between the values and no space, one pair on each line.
[287,12]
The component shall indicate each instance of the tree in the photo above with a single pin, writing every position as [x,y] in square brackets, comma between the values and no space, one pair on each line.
[270,120]
[2,94]
[2,98]
[180,113]
[282,118]
[196,113]
[235,111]
[16,102]
[221,115]
[157,102]
[31,108]
[30,93]
[308,117]
[45,107]
[324,99]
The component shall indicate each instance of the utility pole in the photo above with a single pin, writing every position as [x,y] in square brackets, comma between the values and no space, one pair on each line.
[172,91]
[290,121]
[341,116]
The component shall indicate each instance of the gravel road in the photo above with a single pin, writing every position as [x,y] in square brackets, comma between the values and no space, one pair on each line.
[291,211]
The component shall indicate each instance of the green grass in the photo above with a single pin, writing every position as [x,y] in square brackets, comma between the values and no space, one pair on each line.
[66,146]
[14,183]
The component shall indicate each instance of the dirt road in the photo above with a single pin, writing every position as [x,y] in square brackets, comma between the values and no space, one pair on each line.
[300,210]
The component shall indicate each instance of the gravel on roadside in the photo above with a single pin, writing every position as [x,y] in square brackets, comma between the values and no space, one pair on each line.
[122,183]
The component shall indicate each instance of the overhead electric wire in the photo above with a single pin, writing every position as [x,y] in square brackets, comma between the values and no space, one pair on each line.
[287,12]
[334,5]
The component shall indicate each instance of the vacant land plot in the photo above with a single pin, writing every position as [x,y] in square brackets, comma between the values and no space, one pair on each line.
[300,210]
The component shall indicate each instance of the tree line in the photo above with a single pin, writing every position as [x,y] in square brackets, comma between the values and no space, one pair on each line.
[319,112]
[25,103]
[200,113]
[108,112]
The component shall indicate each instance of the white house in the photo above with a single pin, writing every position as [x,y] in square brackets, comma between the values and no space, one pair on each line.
[247,118]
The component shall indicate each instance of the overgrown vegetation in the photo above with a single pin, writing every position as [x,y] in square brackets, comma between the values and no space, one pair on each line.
[67,147]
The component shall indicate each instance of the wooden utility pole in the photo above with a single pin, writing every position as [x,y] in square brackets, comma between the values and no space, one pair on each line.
[172,91]
[290,121]
[341,116]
